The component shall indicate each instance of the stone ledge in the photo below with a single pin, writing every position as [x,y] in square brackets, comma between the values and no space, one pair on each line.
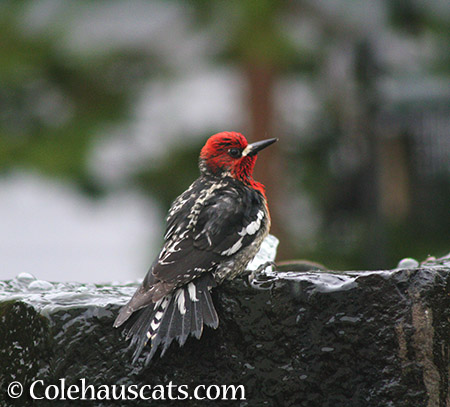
[367,338]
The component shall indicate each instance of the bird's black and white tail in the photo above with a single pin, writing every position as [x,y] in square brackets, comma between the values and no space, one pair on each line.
[175,316]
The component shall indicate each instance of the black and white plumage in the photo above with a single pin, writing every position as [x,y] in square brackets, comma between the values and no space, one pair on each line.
[213,230]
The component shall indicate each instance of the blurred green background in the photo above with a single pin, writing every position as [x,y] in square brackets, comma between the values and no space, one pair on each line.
[106,104]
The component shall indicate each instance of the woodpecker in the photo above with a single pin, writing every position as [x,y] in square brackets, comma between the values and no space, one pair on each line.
[214,229]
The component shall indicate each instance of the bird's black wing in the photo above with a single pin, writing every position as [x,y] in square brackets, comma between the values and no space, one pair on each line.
[200,238]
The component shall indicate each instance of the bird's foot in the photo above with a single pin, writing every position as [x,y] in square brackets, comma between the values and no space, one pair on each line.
[260,278]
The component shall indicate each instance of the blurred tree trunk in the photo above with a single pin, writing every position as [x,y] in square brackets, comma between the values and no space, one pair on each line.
[395,179]
[261,79]
[261,51]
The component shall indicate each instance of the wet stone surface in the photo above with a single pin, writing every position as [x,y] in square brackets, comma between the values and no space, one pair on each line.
[319,338]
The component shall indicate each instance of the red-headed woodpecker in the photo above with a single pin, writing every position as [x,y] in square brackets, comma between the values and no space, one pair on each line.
[214,229]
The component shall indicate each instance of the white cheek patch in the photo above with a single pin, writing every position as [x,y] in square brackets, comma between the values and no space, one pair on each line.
[246,151]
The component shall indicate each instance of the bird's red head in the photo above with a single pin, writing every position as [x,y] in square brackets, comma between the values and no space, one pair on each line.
[229,154]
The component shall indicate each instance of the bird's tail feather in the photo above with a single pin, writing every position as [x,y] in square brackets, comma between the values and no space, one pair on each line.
[175,316]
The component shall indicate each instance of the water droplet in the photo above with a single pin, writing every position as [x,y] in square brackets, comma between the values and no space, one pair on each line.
[25,277]
[40,285]
[408,263]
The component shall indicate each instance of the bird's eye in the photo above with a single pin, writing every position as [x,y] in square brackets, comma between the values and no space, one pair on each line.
[234,152]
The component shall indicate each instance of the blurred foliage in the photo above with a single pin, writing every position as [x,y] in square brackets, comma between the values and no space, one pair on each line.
[161,182]
[54,105]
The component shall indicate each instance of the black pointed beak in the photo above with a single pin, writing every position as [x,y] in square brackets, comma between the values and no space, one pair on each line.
[252,149]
